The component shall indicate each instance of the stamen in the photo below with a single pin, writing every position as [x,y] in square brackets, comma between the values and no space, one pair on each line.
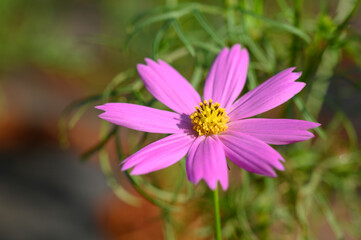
[209,118]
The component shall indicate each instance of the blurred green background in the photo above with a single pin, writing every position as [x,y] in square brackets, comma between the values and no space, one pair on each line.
[58,59]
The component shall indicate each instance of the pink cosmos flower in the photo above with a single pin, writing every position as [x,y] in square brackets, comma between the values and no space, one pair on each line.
[219,127]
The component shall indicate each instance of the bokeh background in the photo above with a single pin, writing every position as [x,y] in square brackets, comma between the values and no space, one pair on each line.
[57,55]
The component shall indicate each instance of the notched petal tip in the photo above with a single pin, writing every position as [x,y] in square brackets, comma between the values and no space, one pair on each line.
[158,155]
[281,159]
[280,167]
[314,125]
[104,116]
[273,176]
[100,107]
[310,135]
[252,154]
[236,47]
[150,62]
[245,52]
[291,69]
[224,185]
[298,86]
[211,184]
[227,76]
[289,73]
[269,173]
[297,75]
[206,161]
[141,68]
[161,62]
[168,86]
[224,50]
[124,166]
[270,94]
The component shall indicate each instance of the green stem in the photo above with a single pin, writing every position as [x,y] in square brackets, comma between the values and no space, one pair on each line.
[217,217]
[295,39]
[316,57]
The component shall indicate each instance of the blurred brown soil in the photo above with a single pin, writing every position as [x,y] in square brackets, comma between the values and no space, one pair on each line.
[34,101]
[120,220]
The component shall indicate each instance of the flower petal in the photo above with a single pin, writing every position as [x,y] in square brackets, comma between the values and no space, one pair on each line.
[275,91]
[143,118]
[274,131]
[206,160]
[251,154]
[227,76]
[168,86]
[159,155]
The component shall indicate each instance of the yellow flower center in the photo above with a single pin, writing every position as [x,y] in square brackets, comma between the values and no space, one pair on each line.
[209,118]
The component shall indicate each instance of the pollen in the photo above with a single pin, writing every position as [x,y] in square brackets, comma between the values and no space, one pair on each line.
[209,118]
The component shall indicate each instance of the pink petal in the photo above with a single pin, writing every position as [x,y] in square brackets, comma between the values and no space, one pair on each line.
[275,91]
[206,160]
[143,118]
[251,154]
[159,155]
[168,86]
[227,76]
[274,131]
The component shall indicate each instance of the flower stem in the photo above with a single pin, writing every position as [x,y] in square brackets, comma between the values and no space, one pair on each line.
[217,217]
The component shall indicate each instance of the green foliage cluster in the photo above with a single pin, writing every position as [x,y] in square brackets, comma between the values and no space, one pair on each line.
[320,187]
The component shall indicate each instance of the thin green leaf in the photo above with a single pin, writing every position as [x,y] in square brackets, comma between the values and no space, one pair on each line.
[301,214]
[147,196]
[241,210]
[301,106]
[295,45]
[85,156]
[63,120]
[271,55]
[231,20]
[257,52]
[252,79]
[183,38]
[168,226]
[158,38]
[208,28]
[118,190]
[176,54]
[161,17]
[346,123]
[152,11]
[116,81]
[209,9]
[197,76]
[207,46]
[330,217]
[76,116]
[165,196]
[347,18]
[138,186]
[280,25]
[319,86]
[285,9]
